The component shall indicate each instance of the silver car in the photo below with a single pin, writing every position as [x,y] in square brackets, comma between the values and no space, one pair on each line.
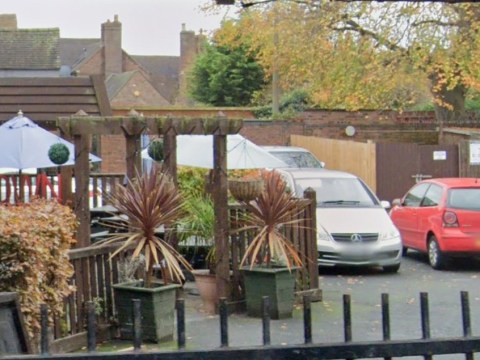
[295,157]
[353,226]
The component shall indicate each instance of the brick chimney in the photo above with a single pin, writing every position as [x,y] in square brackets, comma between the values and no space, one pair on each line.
[8,22]
[190,46]
[112,46]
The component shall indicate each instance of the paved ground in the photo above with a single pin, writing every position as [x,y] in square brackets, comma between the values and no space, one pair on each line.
[365,287]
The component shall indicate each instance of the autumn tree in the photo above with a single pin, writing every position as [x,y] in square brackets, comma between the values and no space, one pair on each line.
[225,76]
[354,55]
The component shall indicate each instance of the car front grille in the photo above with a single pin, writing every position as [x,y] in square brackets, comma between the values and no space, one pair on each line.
[337,257]
[355,237]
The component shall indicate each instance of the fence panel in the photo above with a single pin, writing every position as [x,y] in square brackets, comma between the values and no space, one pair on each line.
[354,157]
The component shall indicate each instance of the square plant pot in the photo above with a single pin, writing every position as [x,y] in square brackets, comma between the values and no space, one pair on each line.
[278,283]
[157,310]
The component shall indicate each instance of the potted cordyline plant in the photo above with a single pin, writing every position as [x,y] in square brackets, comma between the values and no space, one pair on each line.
[272,258]
[151,202]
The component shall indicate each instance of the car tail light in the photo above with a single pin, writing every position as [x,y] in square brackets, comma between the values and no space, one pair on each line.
[450,219]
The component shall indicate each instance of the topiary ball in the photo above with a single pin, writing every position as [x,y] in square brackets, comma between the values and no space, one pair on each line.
[155,150]
[58,153]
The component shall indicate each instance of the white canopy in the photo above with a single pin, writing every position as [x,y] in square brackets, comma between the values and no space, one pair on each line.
[24,144]
[197,151]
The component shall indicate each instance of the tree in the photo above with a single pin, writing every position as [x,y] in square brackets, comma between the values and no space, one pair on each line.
[225,76]
[355,55]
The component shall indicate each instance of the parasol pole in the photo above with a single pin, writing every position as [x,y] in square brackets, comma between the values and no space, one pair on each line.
[21,190]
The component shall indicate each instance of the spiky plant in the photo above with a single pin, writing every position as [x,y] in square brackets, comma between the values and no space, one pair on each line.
[150,201]
[268,214]
[199,222]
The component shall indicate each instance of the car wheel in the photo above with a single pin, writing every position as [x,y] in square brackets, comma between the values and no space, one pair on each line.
[404,251]
[391,268]
[436,258]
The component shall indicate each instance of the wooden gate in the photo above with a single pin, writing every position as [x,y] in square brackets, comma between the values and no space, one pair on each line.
[399,166]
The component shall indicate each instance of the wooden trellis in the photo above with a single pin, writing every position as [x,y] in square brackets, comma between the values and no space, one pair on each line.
[80,128]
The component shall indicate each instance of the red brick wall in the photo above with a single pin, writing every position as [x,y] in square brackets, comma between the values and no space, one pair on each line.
[378,126]
[113,152]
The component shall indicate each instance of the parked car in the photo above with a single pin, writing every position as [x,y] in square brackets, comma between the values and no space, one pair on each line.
[295,156]
[440,217]
[353,226]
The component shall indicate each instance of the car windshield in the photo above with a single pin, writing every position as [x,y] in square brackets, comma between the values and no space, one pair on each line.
[298,159]
[466,198]
[342,192]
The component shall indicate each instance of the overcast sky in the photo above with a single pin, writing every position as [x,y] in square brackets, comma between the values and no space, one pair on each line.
[149,27]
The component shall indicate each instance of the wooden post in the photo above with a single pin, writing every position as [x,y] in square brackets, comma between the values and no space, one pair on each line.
[311,238]
[82,177]
[65,173]
[220,199]
[132,156]
[170,149]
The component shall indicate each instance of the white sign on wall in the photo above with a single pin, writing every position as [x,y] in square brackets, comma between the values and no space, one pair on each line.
[440,155]
[474,153]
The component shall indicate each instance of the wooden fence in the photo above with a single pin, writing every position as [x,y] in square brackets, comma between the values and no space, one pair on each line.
[16,188]
[385,348]
[354,157]
[95,274]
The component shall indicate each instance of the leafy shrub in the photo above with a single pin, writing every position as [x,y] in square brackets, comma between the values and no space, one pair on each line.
[34,243]
[191,180]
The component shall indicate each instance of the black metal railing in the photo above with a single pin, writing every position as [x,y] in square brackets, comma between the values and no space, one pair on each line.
[349,349]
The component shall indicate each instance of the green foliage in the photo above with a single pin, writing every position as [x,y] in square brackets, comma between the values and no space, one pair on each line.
[191,180]
[58,153]
[199,221]
[225,76]
[34,243]
[290,104]
[155,150]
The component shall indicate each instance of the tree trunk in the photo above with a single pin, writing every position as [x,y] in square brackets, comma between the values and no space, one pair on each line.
[449,103]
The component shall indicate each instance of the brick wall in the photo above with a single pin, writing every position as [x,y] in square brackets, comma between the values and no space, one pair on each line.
[113,153]
[377,126]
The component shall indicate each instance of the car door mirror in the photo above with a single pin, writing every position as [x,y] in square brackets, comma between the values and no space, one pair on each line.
[397,202]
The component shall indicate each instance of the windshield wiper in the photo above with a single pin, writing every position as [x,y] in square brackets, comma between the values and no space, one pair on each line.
[341,202]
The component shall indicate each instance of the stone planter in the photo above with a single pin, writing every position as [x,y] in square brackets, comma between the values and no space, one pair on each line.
[278,283]
[245,189]
[157,308]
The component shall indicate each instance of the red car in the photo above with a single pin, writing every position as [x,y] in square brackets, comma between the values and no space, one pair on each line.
[440,217]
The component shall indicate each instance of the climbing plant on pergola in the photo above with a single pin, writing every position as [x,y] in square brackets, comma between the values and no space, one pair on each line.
[80,128]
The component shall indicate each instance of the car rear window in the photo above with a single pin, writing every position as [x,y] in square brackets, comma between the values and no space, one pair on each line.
[467,199]
[298,159]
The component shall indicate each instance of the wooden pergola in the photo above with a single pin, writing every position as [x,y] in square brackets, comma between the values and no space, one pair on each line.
[80,128]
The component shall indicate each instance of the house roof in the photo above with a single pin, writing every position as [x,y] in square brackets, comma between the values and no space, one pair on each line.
[164,72]
[116,82]
[29,49]
[45,99]
[74,51]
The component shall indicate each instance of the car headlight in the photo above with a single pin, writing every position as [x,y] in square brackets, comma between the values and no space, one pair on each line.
[323,235]
[389,235]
